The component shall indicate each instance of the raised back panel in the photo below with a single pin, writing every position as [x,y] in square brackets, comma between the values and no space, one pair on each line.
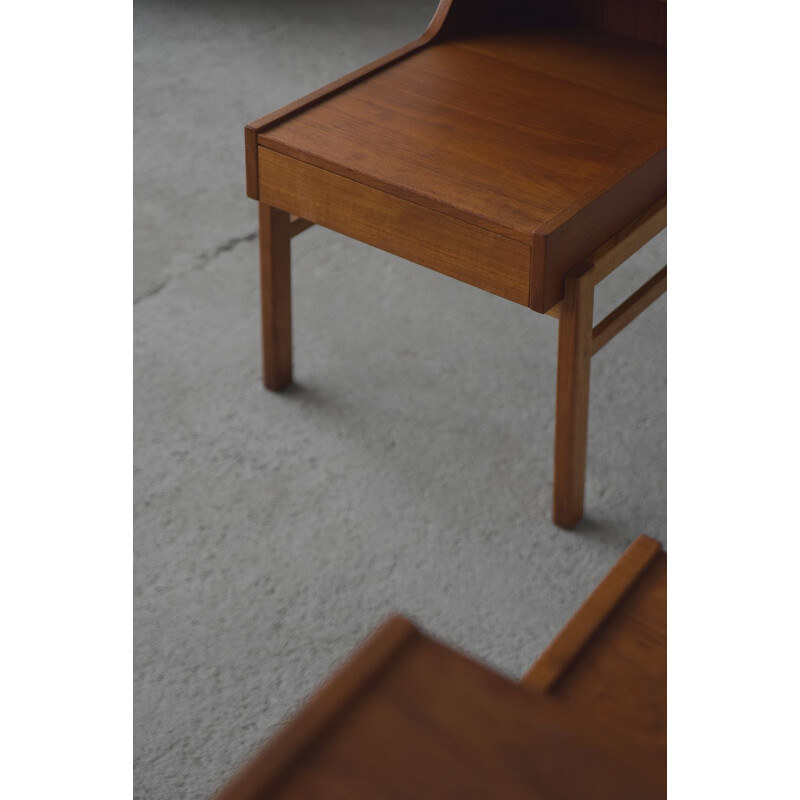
[640,19]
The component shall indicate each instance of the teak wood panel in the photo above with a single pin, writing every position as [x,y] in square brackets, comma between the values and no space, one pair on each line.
[645,20]
[497,145]
[610,660]
[491,262]
[641,19]
[410,718]
[614,65]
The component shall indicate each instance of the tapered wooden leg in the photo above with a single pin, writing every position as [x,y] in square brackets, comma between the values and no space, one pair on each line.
[572,399]
[276,296]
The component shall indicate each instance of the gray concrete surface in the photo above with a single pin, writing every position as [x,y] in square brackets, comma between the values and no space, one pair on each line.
[408,470]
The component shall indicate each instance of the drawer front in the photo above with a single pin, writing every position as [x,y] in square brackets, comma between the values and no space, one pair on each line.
[466,252]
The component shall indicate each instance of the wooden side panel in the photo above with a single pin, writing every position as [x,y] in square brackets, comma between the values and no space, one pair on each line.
[483,259]
[639,19]
[251,162]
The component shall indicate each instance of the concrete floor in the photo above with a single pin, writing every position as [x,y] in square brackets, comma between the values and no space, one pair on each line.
[408,470]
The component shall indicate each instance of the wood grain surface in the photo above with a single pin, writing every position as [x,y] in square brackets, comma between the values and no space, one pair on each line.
[468,253]
[408,718]
[572,399]
[610,660]
[553,138]
[252,129]
[276,296]
[519,147]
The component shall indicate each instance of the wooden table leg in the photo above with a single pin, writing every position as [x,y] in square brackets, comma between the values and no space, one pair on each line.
[276,296]
[572,398]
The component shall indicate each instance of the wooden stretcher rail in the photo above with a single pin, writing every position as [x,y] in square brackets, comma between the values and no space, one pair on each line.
[298,225]
[627,311]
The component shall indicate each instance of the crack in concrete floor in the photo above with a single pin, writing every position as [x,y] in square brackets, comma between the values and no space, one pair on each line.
[200,263]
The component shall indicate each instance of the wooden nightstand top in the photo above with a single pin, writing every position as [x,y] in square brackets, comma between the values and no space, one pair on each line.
[551,138]
[507,132]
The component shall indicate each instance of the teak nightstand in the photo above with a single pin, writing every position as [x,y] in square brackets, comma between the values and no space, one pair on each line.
[518,147]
